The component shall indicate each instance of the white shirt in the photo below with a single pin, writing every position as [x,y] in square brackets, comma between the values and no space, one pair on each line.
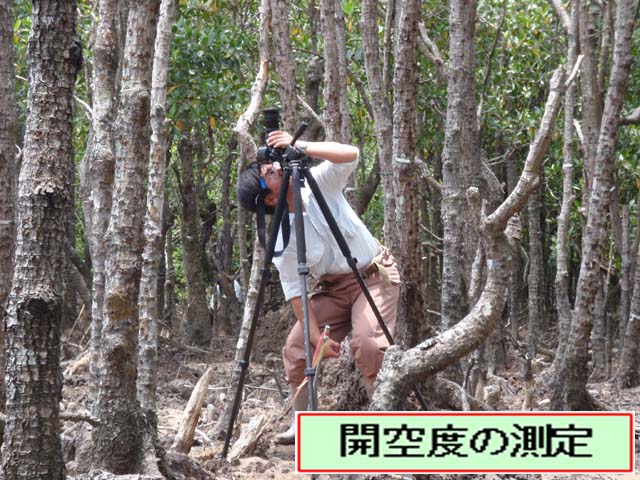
[323,253]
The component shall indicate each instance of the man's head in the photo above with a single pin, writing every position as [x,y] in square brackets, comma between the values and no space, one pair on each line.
[260,183]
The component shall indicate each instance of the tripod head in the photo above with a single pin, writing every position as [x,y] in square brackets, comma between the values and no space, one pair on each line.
[283,156]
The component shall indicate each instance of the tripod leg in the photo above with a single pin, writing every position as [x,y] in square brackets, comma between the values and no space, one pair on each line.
[243,365]
[303,272]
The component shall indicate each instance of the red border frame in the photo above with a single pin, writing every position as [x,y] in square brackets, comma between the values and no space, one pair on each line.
[630,415]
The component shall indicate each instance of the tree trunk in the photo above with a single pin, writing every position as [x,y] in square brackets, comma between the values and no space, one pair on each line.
[382,118]
[628,374]
[459,157]
[247,152]
[599,334]
[8,174]
[517,302]
[97,170]
[284,64]
[563,304]
[152,253]
[625,278]
[224,316]
[401,370]
[591,97]
[170,275]
[197,322]
[118,439]
[570,391]
[536,272]
[336,107]
[32,449]
[411,306]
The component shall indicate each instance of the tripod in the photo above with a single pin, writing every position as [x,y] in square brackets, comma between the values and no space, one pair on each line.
[296,168]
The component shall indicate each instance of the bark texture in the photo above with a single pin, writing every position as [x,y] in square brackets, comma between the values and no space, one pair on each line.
[197,323]
[382,118]
[153,248]
[460,157]
[100,164]
[8,174]
[31,448]
[336,111]
[401,370]
[628,375]
[562,264]
[284,64]
[248,152]
[8,151]
[570,391]
[411,306]
[118,438]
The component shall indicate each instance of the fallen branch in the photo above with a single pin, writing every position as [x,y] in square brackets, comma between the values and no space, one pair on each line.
[184,438]
[249,437]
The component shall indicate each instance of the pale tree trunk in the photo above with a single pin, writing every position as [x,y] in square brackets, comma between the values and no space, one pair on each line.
[401,370]
[332,90]
[517,302]
[382,118]
[31,449]
[153,248]
[411,306]
[598,334]
[591,97]
[341,43]
[197,324]
[118,438]
[535,272]
[247,154]
[8,174]
[570,392]
[99,164]
[625,277]
[460,157]
[336,107]
[170,275]
[628,374]
[313,76]
[563,304]
[284,63]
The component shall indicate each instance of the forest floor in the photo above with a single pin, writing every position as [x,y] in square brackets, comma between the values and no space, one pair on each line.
[180,369]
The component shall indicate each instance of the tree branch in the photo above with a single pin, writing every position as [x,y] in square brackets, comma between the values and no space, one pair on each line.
[528,181]
[430,50]
[632,119]
[562,13]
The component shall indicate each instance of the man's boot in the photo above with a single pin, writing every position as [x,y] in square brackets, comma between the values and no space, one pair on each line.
[299,405]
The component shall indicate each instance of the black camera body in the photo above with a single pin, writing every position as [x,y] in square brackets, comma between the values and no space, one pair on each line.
[271,123]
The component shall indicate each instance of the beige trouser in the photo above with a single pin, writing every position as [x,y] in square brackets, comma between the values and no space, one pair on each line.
[340,303]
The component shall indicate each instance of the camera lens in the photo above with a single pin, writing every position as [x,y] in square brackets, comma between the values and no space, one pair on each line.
[271,118]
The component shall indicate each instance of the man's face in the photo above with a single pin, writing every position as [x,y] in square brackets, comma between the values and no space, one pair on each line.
[272,174]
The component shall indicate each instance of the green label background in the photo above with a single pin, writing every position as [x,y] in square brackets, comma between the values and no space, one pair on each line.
[610,444]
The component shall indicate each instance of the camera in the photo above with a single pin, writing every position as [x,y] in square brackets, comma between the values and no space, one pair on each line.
[271,123]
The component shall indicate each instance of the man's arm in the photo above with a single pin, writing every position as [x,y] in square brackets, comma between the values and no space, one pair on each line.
[333,347]
[332,151]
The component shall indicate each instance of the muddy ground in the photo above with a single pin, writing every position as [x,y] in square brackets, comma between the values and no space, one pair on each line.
[180,368]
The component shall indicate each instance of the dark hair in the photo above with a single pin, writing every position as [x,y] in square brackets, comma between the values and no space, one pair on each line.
[249,189]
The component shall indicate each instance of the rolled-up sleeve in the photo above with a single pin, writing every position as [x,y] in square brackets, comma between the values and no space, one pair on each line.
[332,177]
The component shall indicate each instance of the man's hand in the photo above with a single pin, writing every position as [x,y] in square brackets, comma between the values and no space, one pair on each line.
[279,139]
[332,349]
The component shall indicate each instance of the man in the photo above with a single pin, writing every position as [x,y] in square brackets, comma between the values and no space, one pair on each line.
[338,301]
